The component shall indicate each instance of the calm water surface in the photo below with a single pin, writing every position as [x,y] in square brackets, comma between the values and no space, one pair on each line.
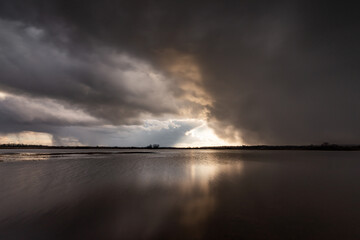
[179,194]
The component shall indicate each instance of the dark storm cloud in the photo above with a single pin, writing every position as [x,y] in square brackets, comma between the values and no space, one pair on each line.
[23,110]
[291,78]
[108,85]
[278,72]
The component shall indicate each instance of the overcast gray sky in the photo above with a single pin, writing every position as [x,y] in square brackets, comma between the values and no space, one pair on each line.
[179,73]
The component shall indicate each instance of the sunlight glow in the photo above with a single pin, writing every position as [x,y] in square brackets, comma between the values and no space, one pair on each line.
[201,136]
[2,95]
[27,137]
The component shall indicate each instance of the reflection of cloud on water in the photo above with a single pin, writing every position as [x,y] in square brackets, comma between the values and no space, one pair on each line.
[195,211]
[193,171]
[200,206]
[11,157]
[132,197]
[193,178]
[202,174]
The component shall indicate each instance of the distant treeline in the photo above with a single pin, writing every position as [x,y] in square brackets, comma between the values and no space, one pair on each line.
[329,147]
[323,147]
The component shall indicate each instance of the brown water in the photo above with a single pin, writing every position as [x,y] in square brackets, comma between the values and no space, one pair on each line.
[179,194]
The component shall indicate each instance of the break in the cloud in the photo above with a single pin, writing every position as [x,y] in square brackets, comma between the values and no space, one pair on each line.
[172,132]
[274,72]
[27,137]
[44,121]
[47,89]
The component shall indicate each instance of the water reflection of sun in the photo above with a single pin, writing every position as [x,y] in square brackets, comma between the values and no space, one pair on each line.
[197,209]
[201,174]
[193,174]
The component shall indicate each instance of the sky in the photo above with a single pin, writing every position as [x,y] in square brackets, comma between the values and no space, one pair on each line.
[179,73]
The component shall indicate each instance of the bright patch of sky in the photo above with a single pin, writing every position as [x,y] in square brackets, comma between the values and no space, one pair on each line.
[27,137]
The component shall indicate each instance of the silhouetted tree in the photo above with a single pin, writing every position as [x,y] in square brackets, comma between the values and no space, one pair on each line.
[153,146]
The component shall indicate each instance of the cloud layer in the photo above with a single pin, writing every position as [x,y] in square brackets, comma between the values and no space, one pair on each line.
[279,72]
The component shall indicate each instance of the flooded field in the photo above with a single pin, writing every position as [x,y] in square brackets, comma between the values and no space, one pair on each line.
[179,194]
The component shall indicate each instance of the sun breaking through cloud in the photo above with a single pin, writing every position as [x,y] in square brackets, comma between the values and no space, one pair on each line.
[248,72]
